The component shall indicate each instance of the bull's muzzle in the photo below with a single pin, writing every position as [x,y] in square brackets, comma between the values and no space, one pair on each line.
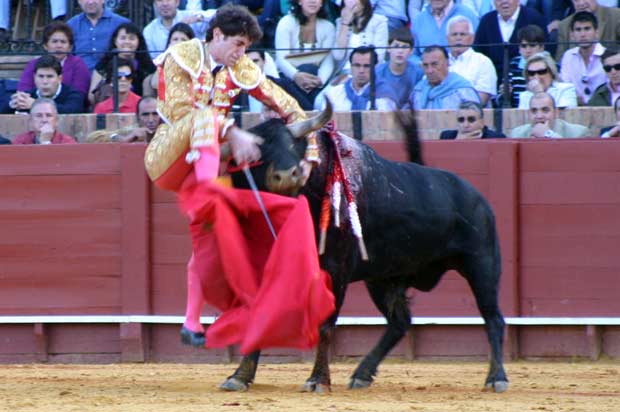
[284,182]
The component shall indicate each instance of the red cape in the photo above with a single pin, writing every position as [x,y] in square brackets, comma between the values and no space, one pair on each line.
[271,293]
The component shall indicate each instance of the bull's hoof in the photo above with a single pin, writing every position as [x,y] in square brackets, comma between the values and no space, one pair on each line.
[313,386]
[357,383]
[497,386]
[234,385]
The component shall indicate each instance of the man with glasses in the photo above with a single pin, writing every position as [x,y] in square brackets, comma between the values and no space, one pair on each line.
[582,65]
[607,93]
[470,124]
[545,123]
[541,74]
[354,94]
[127,100]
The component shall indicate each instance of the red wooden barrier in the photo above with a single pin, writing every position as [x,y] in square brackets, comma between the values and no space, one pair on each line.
[84,233]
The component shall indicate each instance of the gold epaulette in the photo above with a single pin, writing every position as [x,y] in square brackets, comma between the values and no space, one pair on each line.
[189,55]
[245,73]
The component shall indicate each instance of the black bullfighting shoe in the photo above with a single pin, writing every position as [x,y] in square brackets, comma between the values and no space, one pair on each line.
[196,339]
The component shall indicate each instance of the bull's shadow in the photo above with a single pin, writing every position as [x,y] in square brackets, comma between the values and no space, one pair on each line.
[418,222]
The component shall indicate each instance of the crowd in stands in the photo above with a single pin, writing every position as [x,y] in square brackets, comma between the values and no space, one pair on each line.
[464,55]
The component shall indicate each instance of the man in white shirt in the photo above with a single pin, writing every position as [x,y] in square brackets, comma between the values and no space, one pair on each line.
[157,31]
[474,66]
[582,65]
[354,94]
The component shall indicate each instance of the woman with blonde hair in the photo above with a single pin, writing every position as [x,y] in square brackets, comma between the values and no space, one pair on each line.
[541,75]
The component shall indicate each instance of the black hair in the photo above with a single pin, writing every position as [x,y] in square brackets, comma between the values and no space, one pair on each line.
[235,20]
[55,26]
[531,34]
[402,34]
[364,50]
[583,17]
[436,47]
[183,28]
[301,17]
[48,61]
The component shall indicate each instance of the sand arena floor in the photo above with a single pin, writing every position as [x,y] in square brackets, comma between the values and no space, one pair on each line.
[400,386]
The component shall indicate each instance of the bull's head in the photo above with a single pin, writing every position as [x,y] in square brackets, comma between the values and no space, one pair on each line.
[281,151]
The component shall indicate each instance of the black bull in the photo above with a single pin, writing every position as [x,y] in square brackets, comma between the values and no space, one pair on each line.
[418,223]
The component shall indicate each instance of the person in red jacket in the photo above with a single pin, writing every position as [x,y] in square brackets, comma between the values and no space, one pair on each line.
[44,122]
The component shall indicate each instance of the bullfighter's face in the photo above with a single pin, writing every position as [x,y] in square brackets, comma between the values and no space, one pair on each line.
[227,50]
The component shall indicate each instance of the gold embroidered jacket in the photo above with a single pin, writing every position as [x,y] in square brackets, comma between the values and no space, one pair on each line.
[190,98]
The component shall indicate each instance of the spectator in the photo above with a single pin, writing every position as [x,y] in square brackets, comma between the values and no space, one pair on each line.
[544,121]
[613,131]
[479,7]
[128,40]
[431,25]
[305,28]
[440,88]
[48,82]
[501,26]
[473,66]
[354,94]
[178,33]
[541,75]
[359,26]
[58,41]
[43,122]
[608,92]
[582,65]
[399,74]
[260,58]
[470,124]
[156,33]
[4,140]
[531,41]
[127,100]
[148,120]
[92,30]
[394,10]
[608,19]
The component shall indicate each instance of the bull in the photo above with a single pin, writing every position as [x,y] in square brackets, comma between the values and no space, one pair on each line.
[418,222]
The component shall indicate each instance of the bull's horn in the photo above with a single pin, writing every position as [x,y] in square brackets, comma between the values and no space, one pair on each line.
[304,127]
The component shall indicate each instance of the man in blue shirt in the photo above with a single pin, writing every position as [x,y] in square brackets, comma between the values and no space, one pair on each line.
[399,75]
[92,30]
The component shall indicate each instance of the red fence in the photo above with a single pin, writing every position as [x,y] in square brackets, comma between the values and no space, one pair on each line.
[84,233]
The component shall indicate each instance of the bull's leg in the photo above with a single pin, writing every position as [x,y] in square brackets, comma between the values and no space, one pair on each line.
[320,379]
[484,282]
[391,300]
[244,375]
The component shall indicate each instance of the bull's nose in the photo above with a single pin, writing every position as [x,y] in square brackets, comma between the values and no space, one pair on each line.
[284,181]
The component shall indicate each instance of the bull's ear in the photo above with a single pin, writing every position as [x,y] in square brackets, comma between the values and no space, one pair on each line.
[304,127]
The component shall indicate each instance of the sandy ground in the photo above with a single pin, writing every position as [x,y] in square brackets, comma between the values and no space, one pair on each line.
[400,386]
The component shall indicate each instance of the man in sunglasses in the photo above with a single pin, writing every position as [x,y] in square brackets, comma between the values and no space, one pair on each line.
[354,94]
[582,65]
[470,124]
[544,121]
[607,93]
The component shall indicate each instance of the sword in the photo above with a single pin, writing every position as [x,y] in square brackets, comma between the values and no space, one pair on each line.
[248,175]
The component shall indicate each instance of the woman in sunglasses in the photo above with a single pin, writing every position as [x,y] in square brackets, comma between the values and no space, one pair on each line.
[541,75]
[470,124]
[127,100]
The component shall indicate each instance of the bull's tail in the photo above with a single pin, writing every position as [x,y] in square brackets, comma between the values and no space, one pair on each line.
[408,123]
